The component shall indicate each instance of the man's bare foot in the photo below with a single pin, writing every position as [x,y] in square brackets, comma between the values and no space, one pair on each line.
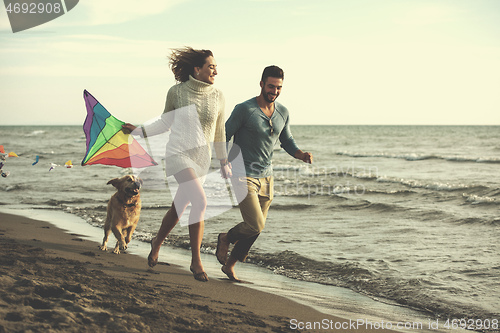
[229,271]
[222,248]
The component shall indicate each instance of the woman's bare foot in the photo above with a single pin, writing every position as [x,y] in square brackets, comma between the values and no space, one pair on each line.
[198,272]
[153,255]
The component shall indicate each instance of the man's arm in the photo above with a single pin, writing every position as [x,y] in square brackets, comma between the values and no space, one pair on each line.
[290,146]
[234,122]
[232,125]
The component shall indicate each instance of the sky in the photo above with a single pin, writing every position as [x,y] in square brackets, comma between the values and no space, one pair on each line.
[356,62]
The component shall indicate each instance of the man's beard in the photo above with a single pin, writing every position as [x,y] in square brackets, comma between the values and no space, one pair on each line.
[267,98]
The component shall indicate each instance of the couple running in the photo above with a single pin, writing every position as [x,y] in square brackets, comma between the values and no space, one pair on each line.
[256,125]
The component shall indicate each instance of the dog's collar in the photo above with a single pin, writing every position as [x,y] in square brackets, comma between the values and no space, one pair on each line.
[126,204]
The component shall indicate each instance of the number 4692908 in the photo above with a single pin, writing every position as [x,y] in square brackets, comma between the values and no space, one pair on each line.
[33,8]
[471,324]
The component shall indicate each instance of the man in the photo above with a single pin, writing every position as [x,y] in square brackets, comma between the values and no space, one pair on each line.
[256,125]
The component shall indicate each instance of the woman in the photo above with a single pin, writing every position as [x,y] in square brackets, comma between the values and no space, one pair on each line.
[188,150]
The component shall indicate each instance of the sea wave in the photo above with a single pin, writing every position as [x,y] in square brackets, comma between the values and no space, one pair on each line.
[16,187]
[435,186]
[376,207]
[420,157]
[360,185]
[293,206]
[300,181]
[413,293]
[363,277]
[479,200]
[479,221]
[284,171]
[390,192]
[35,133]
[64,204]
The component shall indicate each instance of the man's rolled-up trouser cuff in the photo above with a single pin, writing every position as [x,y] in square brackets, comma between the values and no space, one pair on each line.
[241,231]
[242,247]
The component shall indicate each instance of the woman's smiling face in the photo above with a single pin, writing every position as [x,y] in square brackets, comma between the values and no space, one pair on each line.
[208,72]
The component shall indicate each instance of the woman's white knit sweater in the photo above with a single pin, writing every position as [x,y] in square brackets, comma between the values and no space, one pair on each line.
[194,112]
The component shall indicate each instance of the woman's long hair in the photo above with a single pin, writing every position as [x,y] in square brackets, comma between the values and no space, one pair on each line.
[182,61]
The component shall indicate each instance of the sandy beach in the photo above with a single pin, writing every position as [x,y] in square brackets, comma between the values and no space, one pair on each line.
[51,280]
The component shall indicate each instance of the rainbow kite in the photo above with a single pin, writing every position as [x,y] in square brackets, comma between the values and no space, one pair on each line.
[107,143]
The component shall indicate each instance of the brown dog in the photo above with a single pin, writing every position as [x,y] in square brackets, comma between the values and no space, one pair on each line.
[124,209]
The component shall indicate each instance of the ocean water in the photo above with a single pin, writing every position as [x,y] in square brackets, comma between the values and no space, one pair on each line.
[406,215]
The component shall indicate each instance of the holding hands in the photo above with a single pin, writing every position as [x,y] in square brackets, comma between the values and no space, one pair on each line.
[225,169]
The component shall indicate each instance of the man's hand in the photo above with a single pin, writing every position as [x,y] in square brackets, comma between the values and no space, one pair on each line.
[304,157]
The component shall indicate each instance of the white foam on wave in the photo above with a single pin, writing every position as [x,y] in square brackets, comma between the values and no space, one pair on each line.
[413,183]
[476,199]
[407,156]
[35,133]
[420,157]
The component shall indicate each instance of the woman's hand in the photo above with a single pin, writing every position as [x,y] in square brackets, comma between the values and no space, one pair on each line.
[128,128]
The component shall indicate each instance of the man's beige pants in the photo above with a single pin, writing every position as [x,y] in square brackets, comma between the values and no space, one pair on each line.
[253,208]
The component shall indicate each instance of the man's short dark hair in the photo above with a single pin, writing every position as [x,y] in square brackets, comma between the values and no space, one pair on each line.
[272,71]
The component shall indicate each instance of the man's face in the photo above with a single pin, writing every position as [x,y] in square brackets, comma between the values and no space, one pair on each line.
[271,88]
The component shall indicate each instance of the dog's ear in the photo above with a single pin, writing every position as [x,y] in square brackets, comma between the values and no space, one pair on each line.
[137,180]
[114,182]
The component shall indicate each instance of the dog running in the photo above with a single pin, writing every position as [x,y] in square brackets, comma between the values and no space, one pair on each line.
[124,209]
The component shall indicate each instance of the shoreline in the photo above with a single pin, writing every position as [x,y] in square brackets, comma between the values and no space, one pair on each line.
[53,279]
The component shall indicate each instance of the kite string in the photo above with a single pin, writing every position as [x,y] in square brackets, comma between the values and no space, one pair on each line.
[147,143]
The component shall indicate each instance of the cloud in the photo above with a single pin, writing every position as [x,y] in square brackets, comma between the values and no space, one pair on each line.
[88,12]
[120,11]
[84,56]
[92,13]
[430,14]
[4,20]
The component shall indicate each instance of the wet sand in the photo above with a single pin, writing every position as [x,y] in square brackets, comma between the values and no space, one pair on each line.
[55,281]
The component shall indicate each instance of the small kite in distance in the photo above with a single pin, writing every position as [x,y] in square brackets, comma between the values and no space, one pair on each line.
[107,143]
[4,174]
[37,158]
[4,155]
[68,165]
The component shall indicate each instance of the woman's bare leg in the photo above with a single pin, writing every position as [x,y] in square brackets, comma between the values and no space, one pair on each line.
[169,221]
[191,191]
